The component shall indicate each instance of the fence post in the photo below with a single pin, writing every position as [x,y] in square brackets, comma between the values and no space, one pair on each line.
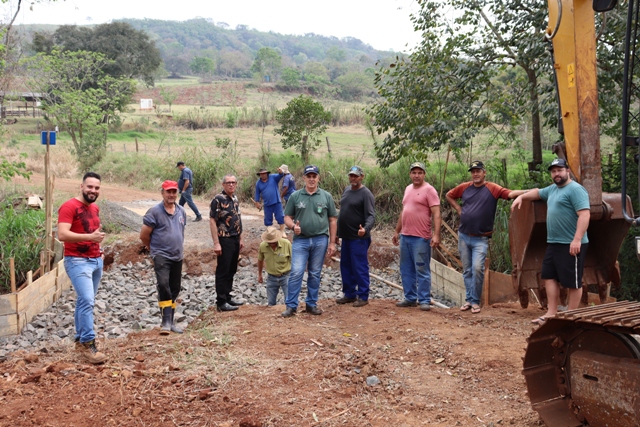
[12,273]
[136,144]
[125,148]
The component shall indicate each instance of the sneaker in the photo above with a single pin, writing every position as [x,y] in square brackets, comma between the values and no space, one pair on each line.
[360,302]
[198,218]
[425,307]
[91,354]
[345,300]
[407,303]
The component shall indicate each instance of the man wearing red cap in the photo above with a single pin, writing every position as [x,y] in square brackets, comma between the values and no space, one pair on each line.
[163,233]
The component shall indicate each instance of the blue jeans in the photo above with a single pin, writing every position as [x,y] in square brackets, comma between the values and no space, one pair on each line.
[415,268]
[271,211]
[354,268]
[185,197]
[307,253]
[274,283]
[85,275]
[473,253]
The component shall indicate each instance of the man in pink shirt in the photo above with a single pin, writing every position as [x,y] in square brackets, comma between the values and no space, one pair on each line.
[420,209]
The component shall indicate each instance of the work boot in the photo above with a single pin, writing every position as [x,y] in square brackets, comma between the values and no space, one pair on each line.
[91,354]
[312,309]
[78,344]
[165,327]
[407,303]
[226,307]
[198,218]
[289,312]
[235,303]
[360,302]
[345,300]
[174,328]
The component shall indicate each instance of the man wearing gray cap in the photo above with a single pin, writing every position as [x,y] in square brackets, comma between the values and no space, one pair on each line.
[567,222]
[414,235]
[355,221]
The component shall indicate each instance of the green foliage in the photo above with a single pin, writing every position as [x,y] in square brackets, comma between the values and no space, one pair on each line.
[302,122]
[291,77]
[268,62]
[79,97]
[203,66]
[9,169]
[21,238]
[168,95]
[131,52]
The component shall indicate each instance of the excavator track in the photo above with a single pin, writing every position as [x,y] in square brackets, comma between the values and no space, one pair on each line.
[582,367]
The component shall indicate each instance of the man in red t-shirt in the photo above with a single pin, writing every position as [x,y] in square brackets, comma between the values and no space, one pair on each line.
[79,229]
[420,209]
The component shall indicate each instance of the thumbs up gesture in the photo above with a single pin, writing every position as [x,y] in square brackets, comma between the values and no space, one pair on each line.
[97,236]
[296,228]
[361,231]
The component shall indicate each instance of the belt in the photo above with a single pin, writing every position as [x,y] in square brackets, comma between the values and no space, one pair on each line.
[283,274]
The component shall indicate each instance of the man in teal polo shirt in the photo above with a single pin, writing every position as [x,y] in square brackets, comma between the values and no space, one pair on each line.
[311,213]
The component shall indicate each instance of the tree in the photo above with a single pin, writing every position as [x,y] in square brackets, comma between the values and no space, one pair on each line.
[268,62]
[79,97]
[132,53]
[354,85]
[202,66]
[457,61]
[168,95]
[302,122]
[234,64]
[291,77]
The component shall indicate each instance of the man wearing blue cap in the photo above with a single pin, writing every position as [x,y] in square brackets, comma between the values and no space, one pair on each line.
[567,222]
[311,214]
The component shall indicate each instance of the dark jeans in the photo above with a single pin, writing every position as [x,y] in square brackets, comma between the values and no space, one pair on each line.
[169,277]
[354,268]
[185,197]
[226,268]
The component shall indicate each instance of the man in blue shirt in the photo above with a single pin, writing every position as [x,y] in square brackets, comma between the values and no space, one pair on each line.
[567,222]
[267,188]
[288,184]
[185,188]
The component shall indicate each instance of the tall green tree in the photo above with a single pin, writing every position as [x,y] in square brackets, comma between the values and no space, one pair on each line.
[79,97]
[302,122]
[203,66]
[131,52]
[268,62]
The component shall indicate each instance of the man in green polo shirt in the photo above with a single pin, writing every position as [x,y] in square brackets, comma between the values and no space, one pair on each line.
[311,213]
[275,253]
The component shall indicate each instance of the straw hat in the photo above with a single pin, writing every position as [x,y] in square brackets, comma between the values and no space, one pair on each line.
[272,235]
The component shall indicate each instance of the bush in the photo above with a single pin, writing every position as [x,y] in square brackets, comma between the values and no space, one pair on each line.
[21,238]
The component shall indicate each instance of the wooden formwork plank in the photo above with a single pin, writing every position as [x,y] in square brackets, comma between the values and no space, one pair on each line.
[8,324]
[64,283]
[8,304]
[36,290]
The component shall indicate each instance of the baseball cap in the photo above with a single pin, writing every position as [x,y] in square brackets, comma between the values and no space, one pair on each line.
[561,163]
[263,170]
[477,164]
[418,165]
[169,185]
[180,164]
[311,169]
[356,170]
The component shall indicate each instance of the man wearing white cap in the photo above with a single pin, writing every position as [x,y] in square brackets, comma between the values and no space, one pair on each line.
[288,184]
[274,254]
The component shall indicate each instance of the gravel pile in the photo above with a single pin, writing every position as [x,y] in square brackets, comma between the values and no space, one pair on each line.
[127,301]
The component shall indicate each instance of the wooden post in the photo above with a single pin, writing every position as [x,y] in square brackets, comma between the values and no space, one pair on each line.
[444,175]
[328,146]
[12,273]
[125,148]
[48,200]
[136,144]
[486,286]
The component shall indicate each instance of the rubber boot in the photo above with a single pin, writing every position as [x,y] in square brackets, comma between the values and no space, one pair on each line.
[165,328]
[174,328]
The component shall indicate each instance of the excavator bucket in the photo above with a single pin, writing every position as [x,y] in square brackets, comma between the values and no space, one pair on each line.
[528,241]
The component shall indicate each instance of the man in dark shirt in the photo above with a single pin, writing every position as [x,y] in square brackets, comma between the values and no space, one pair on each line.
[163,233]
[226,231]
[355,221]
[185,187]
[479,203]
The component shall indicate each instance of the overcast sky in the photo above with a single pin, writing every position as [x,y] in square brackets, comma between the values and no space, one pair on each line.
[384,24]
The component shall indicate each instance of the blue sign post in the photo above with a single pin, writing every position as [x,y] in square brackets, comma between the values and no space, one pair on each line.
[50,135]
